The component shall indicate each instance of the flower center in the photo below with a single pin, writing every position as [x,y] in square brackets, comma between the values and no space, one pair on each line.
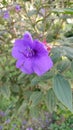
[28,52]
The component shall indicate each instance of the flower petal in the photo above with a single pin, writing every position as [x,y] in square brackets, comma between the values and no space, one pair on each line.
[28,38]
[19,43]
[42,65]
[40,47]
[20,63]
[25,65]
[18,49]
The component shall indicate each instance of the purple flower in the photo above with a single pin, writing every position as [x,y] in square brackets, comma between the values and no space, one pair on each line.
[1,127]
[7,121]
[14,125]
[31,55]
[2,114]
[6,15]
[42,12]
[12,129]
[30,128]
[17,8]
[24,122]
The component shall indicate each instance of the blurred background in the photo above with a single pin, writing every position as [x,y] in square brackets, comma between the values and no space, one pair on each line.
[24,97]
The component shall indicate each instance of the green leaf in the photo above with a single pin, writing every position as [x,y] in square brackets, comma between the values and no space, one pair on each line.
[4,2]
[35,98]
[27,94]
[64,65]
[56,55]
[57,10]
[5,90]
[15,88]
[68,10]
[66,41]
[63,91]
[34,112]
[50,100]
[72,66]
[32,12]
[22,107]
[69,39]
[46,76]
[68,51]
[65,10]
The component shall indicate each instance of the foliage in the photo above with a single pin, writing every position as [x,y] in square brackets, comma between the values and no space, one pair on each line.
[45,20]
[59,120]
[62,120]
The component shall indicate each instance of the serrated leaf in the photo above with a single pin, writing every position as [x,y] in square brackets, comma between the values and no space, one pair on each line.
[35,98]
[50,100]
[68,51]
[64,65]
[46,76]
[66,41]
[34,112]
[63,91]
[56,56]
[15,88]
[5,90]
[22,107]
[69,39]
[27,94]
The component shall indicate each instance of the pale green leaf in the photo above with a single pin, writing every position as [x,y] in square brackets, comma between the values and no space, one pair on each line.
[35,98]
[5,91]
[34,112]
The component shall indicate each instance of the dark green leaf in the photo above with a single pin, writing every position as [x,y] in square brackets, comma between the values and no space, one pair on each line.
[50,100]
[64,65]
[56,56]
[68,51]
[46,76]
[63,91]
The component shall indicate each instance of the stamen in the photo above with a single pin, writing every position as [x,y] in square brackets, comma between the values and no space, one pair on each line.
[28,52]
